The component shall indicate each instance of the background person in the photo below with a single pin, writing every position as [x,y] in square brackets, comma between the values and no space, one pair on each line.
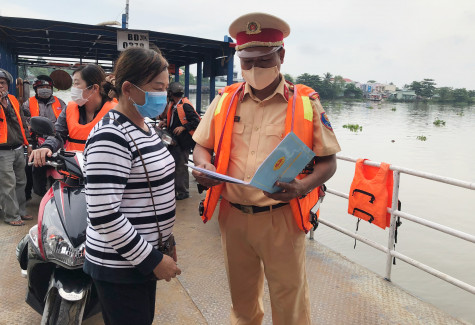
[89,104]
[263,233]
[46,105]
[14,136]
[130,194]
[182,120]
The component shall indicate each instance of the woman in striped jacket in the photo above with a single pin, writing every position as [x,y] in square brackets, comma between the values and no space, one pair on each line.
[130,194]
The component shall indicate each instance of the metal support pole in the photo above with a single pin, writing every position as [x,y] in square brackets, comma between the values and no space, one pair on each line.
[392,228]
[199,76]
[230,63]
[212,86]
[187,80]
[177,73]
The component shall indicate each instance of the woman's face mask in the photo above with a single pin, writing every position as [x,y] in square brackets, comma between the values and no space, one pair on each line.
[77,95]
[155,103]
[45,93]
[260,78]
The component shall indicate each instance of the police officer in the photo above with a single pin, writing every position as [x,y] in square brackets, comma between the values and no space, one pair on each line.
[45,104]
[181,120]
[13,138]
[263,233]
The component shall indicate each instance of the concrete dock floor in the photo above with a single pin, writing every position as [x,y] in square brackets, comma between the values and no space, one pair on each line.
[342,292]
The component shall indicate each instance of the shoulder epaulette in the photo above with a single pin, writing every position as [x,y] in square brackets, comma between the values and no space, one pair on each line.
[314,96]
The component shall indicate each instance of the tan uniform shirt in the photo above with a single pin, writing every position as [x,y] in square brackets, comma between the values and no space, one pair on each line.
[260,129]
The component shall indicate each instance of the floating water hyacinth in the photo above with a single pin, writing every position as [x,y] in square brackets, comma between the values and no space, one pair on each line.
[353,127]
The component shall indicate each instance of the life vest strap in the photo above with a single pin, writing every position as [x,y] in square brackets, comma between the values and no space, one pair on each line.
[371,218]
[365,193]
[76,140]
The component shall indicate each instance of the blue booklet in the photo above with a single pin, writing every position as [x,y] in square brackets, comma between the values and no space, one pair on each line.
[283,164]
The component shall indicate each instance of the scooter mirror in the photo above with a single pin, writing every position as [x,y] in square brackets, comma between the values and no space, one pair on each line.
[42,125]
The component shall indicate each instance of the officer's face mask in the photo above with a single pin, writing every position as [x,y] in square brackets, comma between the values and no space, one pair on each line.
[155,103]
[77,95]
[260,78]
[44,93]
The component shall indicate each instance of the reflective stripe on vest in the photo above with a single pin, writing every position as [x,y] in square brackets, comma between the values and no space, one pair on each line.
[181,113]
[78,133]
[3,121]
[371,193]
[35,108]
[299,112]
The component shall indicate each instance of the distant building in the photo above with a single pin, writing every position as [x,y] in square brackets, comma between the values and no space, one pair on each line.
[405,94]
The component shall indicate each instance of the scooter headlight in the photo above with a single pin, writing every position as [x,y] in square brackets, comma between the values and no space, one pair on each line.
[57,247]
[55,242]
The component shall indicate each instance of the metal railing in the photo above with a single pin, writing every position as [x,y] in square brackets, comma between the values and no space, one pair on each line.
[389,249]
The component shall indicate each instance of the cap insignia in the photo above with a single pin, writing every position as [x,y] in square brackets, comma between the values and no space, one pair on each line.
[253,27]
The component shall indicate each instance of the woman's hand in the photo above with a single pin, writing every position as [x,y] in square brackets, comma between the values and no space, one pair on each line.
[166,269]
[38,156]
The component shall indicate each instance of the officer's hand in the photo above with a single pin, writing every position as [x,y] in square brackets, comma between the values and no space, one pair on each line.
[166,269]
[202,178]
[29,150]
[289,191]
[178,130]
[162,123]
[38,156]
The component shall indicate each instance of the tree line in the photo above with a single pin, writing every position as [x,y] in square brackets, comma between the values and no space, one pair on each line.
[328,86]
[427,90]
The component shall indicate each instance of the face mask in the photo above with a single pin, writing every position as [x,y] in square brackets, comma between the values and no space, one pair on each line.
[76,95]
[45,93]
[260,78]
[155,103]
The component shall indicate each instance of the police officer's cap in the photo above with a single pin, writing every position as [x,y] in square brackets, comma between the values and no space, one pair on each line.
[258,34]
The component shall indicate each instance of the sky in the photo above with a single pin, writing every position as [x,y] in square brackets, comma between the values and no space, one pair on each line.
[387,41]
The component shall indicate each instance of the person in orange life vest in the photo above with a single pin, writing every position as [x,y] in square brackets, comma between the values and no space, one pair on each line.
[182,120]
[13,138]
[46,105]
[263,233]
[90,103]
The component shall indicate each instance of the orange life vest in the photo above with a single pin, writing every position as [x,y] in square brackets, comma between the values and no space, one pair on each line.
[3,122]
[371,193]
[181,112]
[78,133]
[35,108]
[299,113]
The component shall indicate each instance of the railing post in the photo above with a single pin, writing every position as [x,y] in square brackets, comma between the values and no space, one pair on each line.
[392,228]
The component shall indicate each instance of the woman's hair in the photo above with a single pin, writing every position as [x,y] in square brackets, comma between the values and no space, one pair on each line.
[138,66]
[94,75]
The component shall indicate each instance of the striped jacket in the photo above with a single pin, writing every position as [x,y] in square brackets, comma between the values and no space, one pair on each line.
[122,233]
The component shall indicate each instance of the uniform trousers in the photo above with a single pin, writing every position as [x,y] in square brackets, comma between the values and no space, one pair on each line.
[12,184]
[266,244]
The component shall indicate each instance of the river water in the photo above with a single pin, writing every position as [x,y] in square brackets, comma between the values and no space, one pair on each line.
[389,133]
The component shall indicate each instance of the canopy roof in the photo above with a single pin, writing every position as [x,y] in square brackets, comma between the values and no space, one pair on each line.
[47,38]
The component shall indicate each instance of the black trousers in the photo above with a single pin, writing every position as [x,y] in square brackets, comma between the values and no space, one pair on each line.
[29,181]
[182,178]
[127,303]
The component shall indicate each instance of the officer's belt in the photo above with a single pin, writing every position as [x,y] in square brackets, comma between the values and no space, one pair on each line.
[250,209]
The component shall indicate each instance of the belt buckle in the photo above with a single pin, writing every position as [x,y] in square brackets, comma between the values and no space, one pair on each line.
[247,209]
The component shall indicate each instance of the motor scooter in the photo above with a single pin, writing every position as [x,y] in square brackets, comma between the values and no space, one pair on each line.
[52,254]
